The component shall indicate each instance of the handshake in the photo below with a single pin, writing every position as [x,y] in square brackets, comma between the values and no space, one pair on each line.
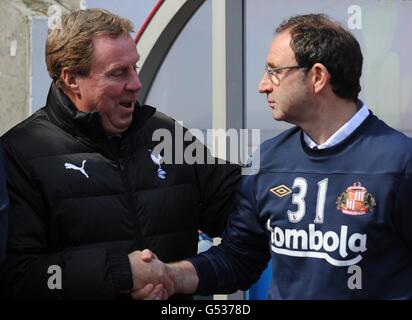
[155,280]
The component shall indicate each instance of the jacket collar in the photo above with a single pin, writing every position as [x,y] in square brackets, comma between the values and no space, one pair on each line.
[64,114]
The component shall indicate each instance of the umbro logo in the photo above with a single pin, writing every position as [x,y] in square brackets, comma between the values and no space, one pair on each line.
[281,191]
[74,167]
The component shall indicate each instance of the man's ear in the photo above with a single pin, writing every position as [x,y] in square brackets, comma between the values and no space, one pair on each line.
[320,77]
[71,80]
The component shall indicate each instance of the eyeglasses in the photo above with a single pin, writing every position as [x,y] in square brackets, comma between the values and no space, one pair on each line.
[273,73]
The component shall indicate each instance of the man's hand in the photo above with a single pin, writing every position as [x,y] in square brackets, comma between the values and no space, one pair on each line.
[151,278]
[184,276]
[150,292]
[182,273]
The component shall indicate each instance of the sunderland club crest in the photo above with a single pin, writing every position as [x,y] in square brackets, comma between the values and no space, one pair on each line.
[356,200]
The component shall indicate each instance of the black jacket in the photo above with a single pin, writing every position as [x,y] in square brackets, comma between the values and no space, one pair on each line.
[4,203]
[87,221]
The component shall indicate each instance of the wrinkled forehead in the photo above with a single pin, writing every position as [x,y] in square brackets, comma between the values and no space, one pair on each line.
[280,52]
[107,50]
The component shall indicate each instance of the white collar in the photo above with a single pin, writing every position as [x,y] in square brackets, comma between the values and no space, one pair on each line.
[343,132]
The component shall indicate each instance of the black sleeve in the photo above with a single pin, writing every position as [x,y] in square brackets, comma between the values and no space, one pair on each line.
[218,184]
[29,270]
[244,252]
[4,205]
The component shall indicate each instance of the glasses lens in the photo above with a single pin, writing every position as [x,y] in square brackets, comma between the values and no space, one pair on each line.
[272,76]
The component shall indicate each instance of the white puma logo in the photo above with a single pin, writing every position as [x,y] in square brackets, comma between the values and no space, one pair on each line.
[73,167]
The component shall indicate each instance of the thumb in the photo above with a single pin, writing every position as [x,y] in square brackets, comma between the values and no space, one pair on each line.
[148,255]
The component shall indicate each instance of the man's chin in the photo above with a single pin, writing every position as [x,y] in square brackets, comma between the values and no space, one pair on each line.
[116,128]
[123,127]
[276,115]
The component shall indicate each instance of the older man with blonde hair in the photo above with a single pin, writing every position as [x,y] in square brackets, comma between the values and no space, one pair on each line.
[86,196]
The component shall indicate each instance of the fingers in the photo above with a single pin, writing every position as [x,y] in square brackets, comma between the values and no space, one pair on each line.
[163,296]
[159,293]
[160,269]
[142,293]
[150,292]
[148,269]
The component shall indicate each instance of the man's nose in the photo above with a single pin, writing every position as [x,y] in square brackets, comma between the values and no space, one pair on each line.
[265,85]
[134,82]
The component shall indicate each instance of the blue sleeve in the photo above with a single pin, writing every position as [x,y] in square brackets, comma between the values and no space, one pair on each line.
[4,205]
[244,252]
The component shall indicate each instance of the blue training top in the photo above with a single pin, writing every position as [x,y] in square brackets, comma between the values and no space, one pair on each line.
[336,222]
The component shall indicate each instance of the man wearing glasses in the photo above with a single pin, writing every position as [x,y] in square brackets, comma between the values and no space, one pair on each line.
[331,204]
